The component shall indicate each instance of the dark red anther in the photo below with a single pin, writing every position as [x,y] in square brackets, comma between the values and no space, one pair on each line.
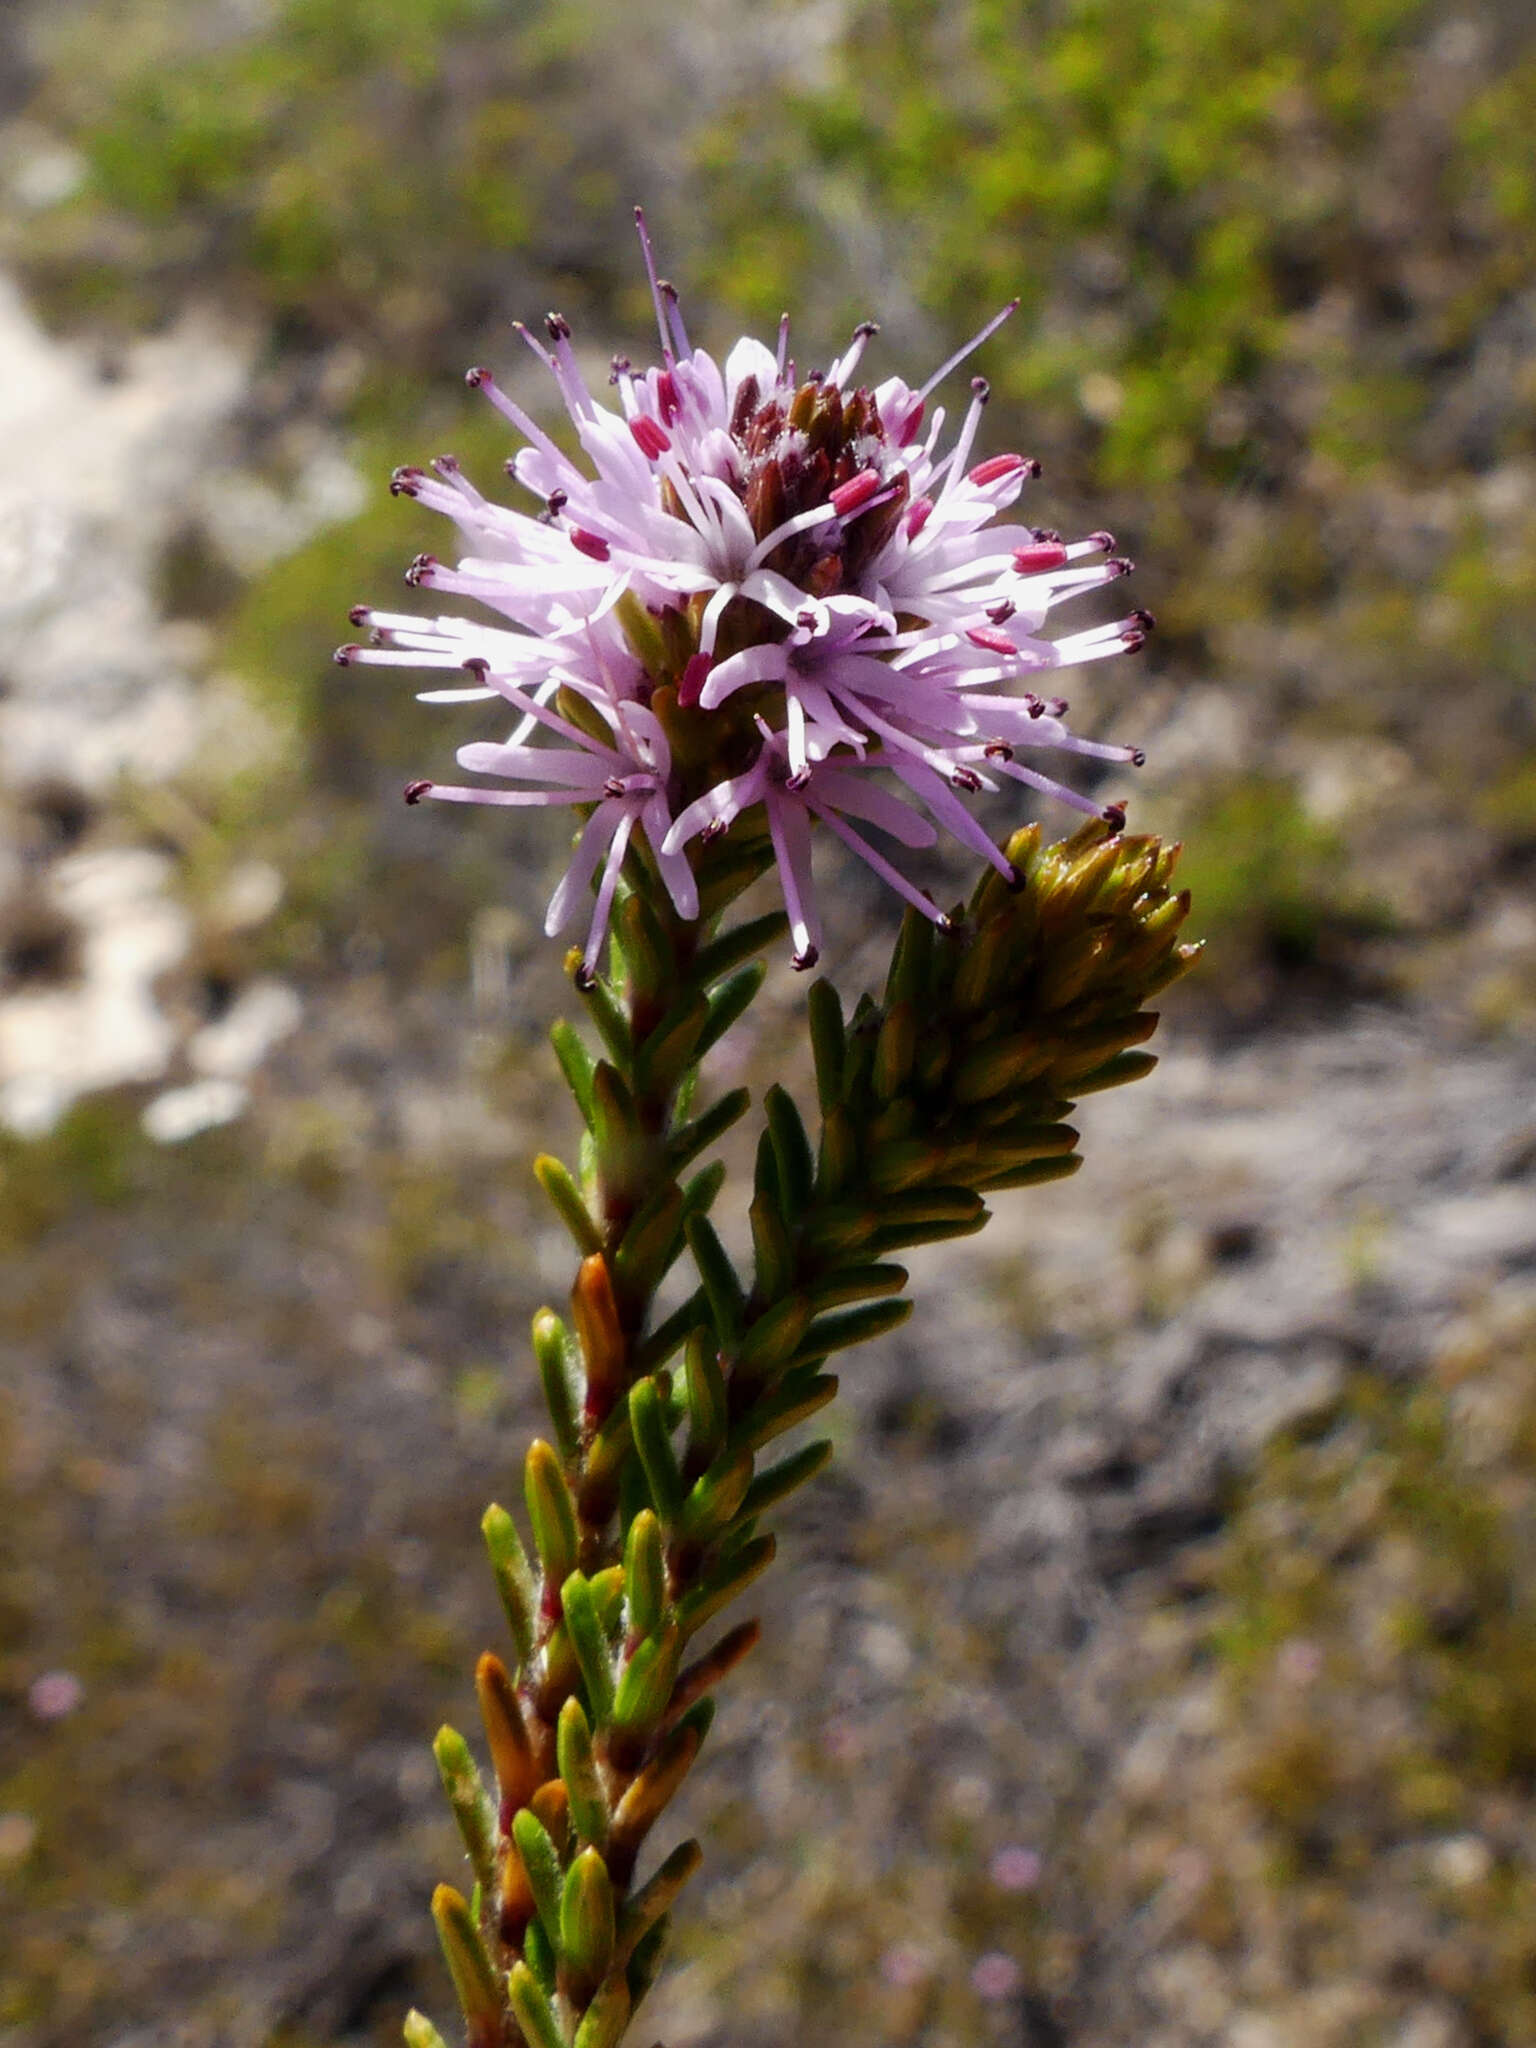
[981,390]
[996,467]
[1002,612]
[405,482]
[1103,540]
[557,327]
[446,465]
[591,544]
[715,829]
[799,779]
[667,400]
[1119,565]
[649,437]
[852,496]
[802,961]
[966,779]
[1133,642]
[415,791]
[866,330]
[477,666]
[421,569]
[359,615]
[586,981]
[345,656]
[1138,758]
[1035,705]
[478,377]
[1047,534]
[1114,816]
[619,367]
[1045,554]
[1143,619]
[998,750]
[690,686]
[990,639]
[613,786]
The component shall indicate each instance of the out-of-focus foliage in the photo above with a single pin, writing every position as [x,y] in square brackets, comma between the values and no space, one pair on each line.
[389,172]
[1279,306]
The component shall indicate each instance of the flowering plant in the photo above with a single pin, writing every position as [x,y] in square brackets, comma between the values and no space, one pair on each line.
[761,603]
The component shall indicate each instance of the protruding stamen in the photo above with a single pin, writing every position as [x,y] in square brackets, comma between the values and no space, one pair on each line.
[650,437]
[960,354]
[1044,555]
[419,573]
[345,656]
[852,496]
[991,640]
[806,959]
[591,544]
[996,467]
[655,283]
[359,615]
[405,482]
[415,791]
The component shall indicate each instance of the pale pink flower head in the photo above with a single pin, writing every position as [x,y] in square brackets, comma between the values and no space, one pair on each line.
[756,600]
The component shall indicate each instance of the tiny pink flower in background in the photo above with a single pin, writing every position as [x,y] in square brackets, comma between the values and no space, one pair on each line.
[1016,1869]
[54,1696]
[995,1976]
[754,593]
[904,1966]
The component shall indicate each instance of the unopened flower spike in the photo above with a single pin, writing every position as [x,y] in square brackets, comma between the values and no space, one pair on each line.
[752,597]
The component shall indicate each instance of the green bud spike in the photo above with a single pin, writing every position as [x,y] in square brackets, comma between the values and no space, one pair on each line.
[608,1597]
[551,1511]
[608,1015]
[1000,1150]
[645,1963]
[473,1808]
[699,1193]
[590,1644]
[727,1003]
[514,1576]
[575,1063]
[856,1283]
[907,1163]
[1000,1065]
[839,1232]
[791,1150]
[824,1015]
[931,1205]
[716,1496]
[895,1049]
[911,961]
[650,1244]
[554,1353]
[652,1789]
[650,963]
[419,2031]
[532,2008]
[706,1672]
[603,2022]
[473,1974]
[587,1920]
[903,1236]
[640,629]
[645,1687]
[539,1955]
[1125,1066]
[578,1767]
[773,1251]
[621,1147]
[722,1289]
[798,1395]
[654,1446]
[655,1898]
[645,1574]
[1035,1174]
[849,1326]
[541,1865]
[838,1157]
[718,1589]
[1090,1048]
[707,1404]
[771,1341]
[690,1139]
[663,1342]
[672,1047]
[732,948]
[771,1486]
[565,1198]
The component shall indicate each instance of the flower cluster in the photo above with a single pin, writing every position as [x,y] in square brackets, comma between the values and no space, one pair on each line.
[757,593]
